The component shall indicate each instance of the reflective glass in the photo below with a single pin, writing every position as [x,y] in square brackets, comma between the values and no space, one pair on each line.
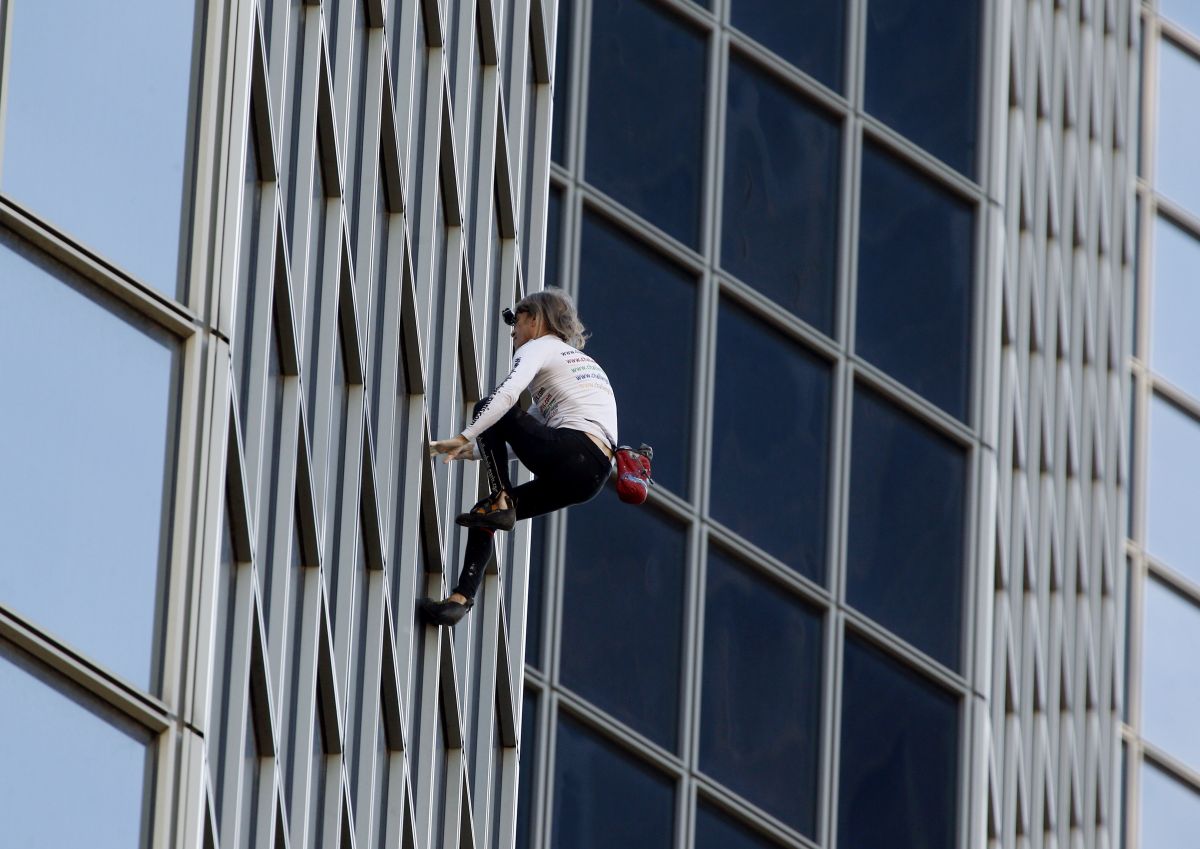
[914,281]
[613,654]
[604,797]
[531,94]
[781,210]
[563,55]
[717,830]
[628,292]
[770,452]
[537,575]
[1174,346]
[87,531]
[899,755]
[1171,673]
[907,526]
[528,771]
[72,771]
[647,151]
[1183,12]
[1177,170]
[760,714]
[553,234]
[1170,811]
[923,60]
[808,33]
[97,103]
[1173,488]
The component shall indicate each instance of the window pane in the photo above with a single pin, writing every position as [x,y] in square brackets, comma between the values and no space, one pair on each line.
[1170,811]
[647,151]
[613,654]
[62,751]
[718,830]
[538,530]
[899,757]
[604,797]
[1174,348]
[553,235]
[1183,12]
[95,133]
[914,282]
[528,771]
[760,716]
[87,531]
[808,33]
[1178,170]
[923,74]
[1173,488]
[563,56]
[625,292]
[1171,673]
[770,441]
[781,211]
[905,556]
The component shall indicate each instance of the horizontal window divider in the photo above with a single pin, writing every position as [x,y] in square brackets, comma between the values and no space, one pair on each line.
[771,313]
[901,651]
[1187,404]
[618,733]
[640,229]
[109,688]
[160,309]
[911,402]
[926,163]
[1168,763]
[1178,583]
[790,75]
[721,797]
[772,569]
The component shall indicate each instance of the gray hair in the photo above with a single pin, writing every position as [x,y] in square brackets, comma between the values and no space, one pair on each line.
[558,309]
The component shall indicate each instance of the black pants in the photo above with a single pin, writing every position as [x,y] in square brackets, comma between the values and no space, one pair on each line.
[569,468]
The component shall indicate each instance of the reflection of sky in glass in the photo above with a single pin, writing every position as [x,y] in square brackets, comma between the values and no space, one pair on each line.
[56,757]
[1174,347]
[1186,13]
[1170,677]
[1172,488]
[83,445]
[1178,170]
[1170,812]
[96,124]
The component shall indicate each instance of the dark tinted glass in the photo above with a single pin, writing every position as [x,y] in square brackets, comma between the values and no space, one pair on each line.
[770,441]
[717,830]
[914,281]
[779,230]
[899,758]
[646,149]
[613,654]
[553,234]
[562,81]
[808,33]
[923,73]
[760,717]
[528,771]
[605,798]
[904,557]
[628,296]
[537,577]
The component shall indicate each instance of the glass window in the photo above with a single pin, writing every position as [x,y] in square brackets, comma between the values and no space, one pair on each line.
[907,526]
[613,654]
[1174,348]
[87,531]
[1183,12]
[647,151]
[1170,810]
[1177,169]
[604,797]
[781,211]
[899,755]
[807,33]
[1173,488]
[914,281]
[554,204]
[527,192]
[770,448]
[1171,673]
[563,56]
[717,830]
[628,292]
[64,752]
[528,771]
[923,74]
[538,529]
[96,128]
[760,714]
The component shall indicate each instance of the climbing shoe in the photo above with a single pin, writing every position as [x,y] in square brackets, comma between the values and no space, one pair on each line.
[446,612]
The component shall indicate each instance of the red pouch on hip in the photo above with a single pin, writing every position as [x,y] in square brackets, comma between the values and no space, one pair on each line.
[633,473]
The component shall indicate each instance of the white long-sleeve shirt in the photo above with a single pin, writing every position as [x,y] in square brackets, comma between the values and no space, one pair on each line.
[569,389]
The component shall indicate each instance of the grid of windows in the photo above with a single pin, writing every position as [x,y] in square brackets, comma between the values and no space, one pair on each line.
[1162,760]
[251,254]
[778,263]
